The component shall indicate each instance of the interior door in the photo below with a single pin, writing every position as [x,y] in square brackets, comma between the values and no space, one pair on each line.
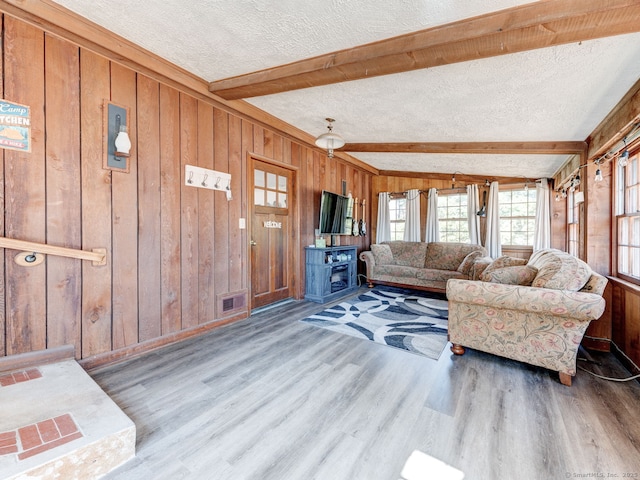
[271,256]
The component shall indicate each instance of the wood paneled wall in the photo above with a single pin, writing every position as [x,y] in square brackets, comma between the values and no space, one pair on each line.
[171,249]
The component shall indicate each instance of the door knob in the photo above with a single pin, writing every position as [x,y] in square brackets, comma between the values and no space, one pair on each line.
[253,244]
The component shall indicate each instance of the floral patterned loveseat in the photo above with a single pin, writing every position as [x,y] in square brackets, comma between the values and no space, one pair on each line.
[535,313]
[425,266]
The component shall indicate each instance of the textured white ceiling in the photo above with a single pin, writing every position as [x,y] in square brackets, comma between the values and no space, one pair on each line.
[555,94]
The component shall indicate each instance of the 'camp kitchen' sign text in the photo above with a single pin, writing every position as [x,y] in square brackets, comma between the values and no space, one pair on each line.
[15,126]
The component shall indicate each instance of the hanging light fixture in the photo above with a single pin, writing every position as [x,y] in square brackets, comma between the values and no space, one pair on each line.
[329,140]
[624,158]
[599,177]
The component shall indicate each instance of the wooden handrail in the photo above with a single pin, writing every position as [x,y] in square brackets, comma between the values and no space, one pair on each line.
[98,255]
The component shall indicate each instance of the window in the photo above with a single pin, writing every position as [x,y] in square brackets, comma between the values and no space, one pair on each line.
[270,189]
[628,218]
[517,216]
[452,217]
[573,223]
[397,215]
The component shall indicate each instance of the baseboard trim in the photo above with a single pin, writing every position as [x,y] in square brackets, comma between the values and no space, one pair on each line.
[598,344]
[126,353]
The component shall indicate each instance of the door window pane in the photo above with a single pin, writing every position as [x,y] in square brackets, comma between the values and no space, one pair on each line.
[282,183]
[271,181]
[258,178]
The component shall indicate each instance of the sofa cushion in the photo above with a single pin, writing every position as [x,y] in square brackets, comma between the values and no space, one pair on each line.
[448,255]
[516,275]
[399,271]
[435,275]
[561,271]
[501,262]
[382,254]
[468,261]
[410,254]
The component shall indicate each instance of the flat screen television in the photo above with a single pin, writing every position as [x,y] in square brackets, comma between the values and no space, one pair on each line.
[335,214]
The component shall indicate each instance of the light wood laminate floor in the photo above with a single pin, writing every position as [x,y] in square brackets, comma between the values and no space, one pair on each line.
[272,398]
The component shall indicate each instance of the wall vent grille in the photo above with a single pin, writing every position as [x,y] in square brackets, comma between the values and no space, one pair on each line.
[228,303]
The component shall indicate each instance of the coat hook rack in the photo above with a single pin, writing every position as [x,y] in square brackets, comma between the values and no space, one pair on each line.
[205,178]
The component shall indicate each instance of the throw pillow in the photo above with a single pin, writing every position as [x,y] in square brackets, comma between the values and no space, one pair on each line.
[469,260]
[517,275]
[561,271]
[501,262]
[382,254]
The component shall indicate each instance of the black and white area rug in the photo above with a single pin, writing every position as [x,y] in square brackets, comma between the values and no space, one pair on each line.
[407,319]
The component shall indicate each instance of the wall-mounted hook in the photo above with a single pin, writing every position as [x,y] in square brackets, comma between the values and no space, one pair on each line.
[204,180]
[190,180]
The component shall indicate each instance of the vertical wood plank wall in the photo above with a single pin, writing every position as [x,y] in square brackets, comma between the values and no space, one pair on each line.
[171,249]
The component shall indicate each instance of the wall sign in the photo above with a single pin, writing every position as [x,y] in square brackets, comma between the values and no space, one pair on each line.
[15,126]
[272,224]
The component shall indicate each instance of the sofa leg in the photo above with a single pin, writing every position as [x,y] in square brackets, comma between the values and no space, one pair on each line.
[457,349]
[370,284]
[565,378]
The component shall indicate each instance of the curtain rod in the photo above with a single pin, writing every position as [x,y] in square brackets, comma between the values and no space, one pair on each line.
[391,194]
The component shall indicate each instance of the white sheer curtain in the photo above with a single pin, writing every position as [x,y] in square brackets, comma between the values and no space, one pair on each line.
[542,231]
[412,219]
[473,205]
[492,240]
[432,232]
[383,226]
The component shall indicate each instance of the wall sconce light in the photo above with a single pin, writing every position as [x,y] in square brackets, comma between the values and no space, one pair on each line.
[122,141]
[329,141]
[117,141]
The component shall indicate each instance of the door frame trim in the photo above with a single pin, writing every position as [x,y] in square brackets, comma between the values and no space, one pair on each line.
[294,223]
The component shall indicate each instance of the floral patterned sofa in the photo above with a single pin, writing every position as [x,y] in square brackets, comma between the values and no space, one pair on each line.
[425,266]
[535,313]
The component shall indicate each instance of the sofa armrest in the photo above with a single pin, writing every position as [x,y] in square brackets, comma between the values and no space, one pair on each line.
[478,267]
[369,261]
[560,303]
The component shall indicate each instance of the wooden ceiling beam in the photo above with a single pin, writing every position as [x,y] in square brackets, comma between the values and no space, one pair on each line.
[617,123]
[496,148]
[461,179]
[527,27]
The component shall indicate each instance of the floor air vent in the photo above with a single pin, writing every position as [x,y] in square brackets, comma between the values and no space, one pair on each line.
[228,303]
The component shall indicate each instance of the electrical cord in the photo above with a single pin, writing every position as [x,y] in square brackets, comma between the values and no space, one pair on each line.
[586,357]
[611,379]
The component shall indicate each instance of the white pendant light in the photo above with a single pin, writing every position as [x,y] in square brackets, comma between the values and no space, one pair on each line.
[330,141]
